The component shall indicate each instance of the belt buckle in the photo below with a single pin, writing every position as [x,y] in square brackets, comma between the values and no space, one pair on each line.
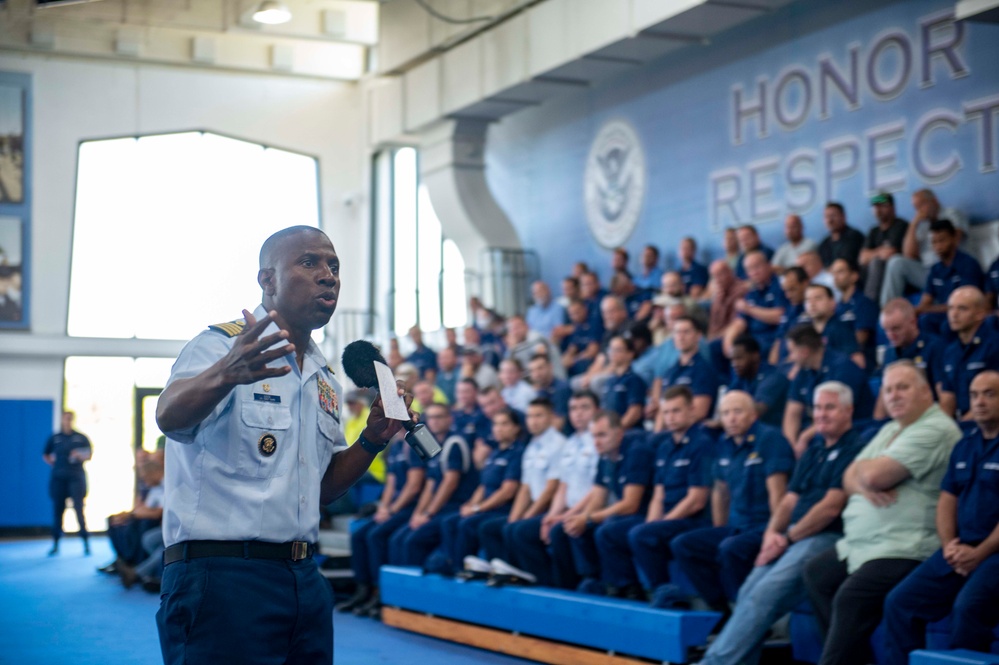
[299,550]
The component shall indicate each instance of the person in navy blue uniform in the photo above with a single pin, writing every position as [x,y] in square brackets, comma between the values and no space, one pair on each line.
[975,349]
[992,285]
[637,301]
[254,447]
[749,242]
[692,369]
[820,305]
[499,481]
[954,269]
[592,294]
[468,419]
[855,309]
[619,499]
[816,365]
[751,470]
[451,479]
[961,578]
[423,357]
[679,503]
[793,283]
[405,474]
[694,274]
[582,344]
[624,392]
[556,391]
[806,523]
[761,310]
[907,342]
[65,452]
[767,385]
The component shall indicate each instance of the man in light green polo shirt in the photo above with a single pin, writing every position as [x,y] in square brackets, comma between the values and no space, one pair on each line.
[889,520]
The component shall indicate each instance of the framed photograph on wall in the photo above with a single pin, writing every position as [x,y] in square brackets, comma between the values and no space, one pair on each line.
[15,200]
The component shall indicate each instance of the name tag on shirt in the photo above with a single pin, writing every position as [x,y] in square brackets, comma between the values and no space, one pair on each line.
[682,462]
[753,460]
[832,456]
[991,466]
[270,399]
[723,462]
[974,366]
[961,465]
[501,462]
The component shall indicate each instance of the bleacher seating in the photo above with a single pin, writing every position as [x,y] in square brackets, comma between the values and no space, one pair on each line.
[955,657]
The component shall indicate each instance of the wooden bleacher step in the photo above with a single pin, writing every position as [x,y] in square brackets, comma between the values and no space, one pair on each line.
[605,624]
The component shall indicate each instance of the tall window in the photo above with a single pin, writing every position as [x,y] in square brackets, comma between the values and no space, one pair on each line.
[428,282]
[168,228]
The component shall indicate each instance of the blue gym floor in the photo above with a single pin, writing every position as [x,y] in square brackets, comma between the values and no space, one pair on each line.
[61,611]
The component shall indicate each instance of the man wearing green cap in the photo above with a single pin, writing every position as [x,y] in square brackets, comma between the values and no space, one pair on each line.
[883,241]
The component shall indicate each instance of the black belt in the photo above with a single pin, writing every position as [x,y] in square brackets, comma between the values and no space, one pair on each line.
[247,549]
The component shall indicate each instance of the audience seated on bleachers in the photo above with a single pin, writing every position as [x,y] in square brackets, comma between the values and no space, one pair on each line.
[582,343]
[545,314]
[893,486]
[805,523]
[491,403]
[679,503]
[619,501]
[975,349]
[725,291]
[820,307]
[843,241]
[911,268]
[856,309]
[576,470]
[811,263]
[907,342]
[547,386]
[474,366]
[538,483]
[883,241]
[761,309]
[637,302]
[767,385]
[691,369]
[693,274]
[795,244]
[815,364]
[516,392]
[953,270]
[673,293]
[423,357]
[468,419]
[624,391]
[793,283]
[992,285]
[592,294]
[523,343]
[730,244]
[649,274]
[752,465]
[749,242]
[448,372]
[964,573]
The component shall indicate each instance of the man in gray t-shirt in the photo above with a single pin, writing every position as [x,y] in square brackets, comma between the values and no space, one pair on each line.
[911,267]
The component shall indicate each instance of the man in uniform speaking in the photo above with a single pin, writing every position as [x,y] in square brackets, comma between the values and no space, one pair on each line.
[255,445]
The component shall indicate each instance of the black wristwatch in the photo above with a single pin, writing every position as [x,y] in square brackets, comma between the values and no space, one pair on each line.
[371,447]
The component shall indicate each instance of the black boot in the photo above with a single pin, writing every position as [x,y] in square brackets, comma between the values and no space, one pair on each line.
[360,596]
[55,548]
[372,608]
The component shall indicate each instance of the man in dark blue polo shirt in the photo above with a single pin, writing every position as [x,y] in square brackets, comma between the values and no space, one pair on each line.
[820,305]
[749,242]
[807,522]
[992,285]
[468,419]
[624,391]
[764,382]
[582,344]
[422,357]
[682,487]
[619,498]
[954,269]
[694,274]
[793,282]
[752,466]
[761,310]
[962,578]
[855,309]
[555,390]
[816,365]
[692,369]
[975,349]
[907,342]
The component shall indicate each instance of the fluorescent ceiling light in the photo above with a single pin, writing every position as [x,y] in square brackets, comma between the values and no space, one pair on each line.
[272,13]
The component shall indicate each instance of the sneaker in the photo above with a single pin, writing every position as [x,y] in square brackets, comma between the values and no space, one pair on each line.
[502,568]
[592,587]
[474,568]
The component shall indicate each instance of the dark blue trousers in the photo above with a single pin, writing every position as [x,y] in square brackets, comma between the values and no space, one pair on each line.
[496,536]
[461,534]
[717,560]
[615,561]
[369,546]
[650,551]
[929,593]
[254,611]
[528,552]
[412,548]
[563,571]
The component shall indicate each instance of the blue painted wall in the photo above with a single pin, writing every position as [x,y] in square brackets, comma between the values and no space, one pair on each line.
[24,495]
[909,122]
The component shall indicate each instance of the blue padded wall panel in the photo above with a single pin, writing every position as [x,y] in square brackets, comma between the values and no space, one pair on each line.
[24,497]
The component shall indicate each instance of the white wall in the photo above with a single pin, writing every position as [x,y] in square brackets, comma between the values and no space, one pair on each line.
[76,100]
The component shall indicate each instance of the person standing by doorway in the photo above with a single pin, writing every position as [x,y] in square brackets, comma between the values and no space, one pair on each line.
[65,452]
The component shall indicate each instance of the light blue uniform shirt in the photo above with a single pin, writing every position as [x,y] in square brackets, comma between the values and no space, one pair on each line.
[544,318]
[541,461]
[578,466]
[219,484]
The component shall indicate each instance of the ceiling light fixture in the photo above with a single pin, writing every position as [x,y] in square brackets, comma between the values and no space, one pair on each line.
[272,13]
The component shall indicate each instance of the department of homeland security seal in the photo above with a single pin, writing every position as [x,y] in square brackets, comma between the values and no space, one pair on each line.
[614,183]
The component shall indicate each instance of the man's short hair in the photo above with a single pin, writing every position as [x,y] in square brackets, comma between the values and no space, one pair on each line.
[655,250]
[798,272]
[823,287]
[436,405]
[488,390]
[838,206]
[900,305]
[513,361]
[572,280]
[586,394]
[690,239]
[539,356]
[805,335]
[842,391]
[543,402]
[613,418]
[749,227]
[681,392]
[628,342]
[943,226]
[622,251]
[272,242]
[472,382]
[905,363]
[698,326]
[748,343]
[852,266]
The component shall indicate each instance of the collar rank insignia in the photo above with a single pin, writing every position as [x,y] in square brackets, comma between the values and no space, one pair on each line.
[327,399]
[267,444]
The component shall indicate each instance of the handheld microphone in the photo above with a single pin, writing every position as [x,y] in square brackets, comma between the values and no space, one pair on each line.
[358,361]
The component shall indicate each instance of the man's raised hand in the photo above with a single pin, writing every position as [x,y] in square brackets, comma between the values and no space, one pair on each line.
[247,360]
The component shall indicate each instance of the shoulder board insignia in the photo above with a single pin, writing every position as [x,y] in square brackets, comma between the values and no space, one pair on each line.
[229,329]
